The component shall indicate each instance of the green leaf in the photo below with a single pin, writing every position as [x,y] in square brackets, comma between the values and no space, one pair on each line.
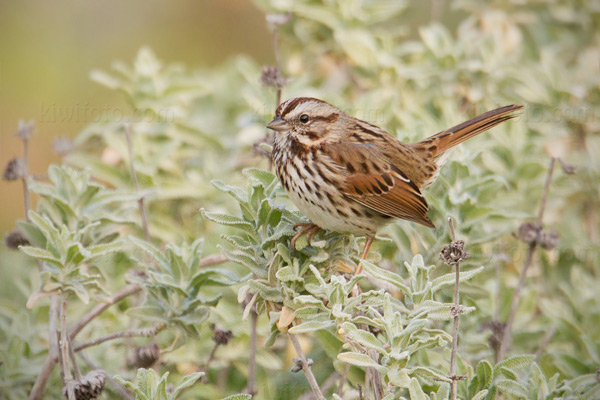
[360,360]
[155,253]
[511,387]
[240,396]
[386,276]
[480,395]
[514,362]
[238,193]
[311,326]
[229,220]
[364,338]
[42,255]
[415,390]
[450,279]
[266,292]
[186,382]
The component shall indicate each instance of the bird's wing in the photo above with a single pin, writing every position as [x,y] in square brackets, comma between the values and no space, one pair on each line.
[374,181]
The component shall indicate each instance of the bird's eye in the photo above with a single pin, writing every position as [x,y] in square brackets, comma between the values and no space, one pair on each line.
[304,118]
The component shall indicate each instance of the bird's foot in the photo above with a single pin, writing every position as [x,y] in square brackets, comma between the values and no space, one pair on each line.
[309,229]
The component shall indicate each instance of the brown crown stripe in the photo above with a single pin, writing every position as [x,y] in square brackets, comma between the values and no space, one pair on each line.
[291,104]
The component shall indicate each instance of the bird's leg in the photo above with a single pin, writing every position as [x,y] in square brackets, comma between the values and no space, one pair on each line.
[364,254]
[309,228]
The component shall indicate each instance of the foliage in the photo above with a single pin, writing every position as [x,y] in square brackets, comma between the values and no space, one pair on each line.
[194,168]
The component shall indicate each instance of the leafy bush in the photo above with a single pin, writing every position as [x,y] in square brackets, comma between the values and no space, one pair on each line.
[162,232]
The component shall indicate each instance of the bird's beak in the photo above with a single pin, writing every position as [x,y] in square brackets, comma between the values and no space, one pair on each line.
[278,124]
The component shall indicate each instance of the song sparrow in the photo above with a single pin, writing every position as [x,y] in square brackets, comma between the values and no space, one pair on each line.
[350,176]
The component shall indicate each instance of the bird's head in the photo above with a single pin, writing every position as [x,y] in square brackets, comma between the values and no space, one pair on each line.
[309,120]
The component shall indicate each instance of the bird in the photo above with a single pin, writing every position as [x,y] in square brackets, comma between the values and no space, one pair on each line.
[350,176]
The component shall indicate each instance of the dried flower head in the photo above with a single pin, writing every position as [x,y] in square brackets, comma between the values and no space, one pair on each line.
[529,231]
[497,328]
[146,356]
[15,169]
[271,76]
[25,129]
[532,232]
[548,240]
[62,146]
[90,385]
[221,336]
[14,239]
[454,252]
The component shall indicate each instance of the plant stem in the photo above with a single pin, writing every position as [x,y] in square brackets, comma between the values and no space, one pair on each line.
[141,204]
[340,389]
[312,381]
[251,386]
[506,335]
[64,351]
[38,388]
[455,311]
[277,63]
[213,259]
[128,290]
[144,332]
[26,199]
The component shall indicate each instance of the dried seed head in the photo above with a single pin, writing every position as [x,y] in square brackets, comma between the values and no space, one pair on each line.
[14,239]
[146,356]
[529,231]
[532,232]
[454,252]
[548,240]
[221,336]
[62,146]
[15,169]
[497,328]
[90,386]
[25,129]
[271,76]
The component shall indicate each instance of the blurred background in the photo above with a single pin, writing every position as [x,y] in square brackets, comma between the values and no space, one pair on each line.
[47,50]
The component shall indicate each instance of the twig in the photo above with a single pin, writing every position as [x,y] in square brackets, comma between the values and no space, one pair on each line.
[455,311]
[64,351]
[141,204]
[251,386]
[376,377]
[26,200]
[546,190]
[506,335]
[78,375]
[213,259]
[544,343]
[118,387]
[306,368]
[38,388]
[100,308]
[340,388]
[144,332]
[277,62]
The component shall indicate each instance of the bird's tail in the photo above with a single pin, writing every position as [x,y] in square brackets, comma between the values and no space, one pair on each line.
[439,143]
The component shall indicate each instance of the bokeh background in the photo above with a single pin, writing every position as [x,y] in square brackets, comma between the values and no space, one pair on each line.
[411,67]
[47,50]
